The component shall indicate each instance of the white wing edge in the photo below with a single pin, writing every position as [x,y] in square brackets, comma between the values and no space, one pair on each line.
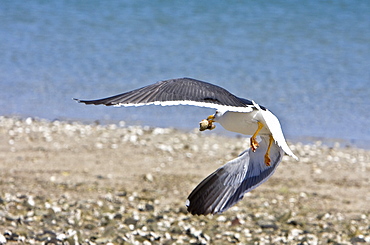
[247,108]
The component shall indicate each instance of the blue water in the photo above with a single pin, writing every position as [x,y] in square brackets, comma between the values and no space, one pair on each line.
[307,61]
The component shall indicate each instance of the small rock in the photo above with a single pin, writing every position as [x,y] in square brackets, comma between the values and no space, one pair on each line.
[296,232]
[103,240]
[2,239]
[266,224]
[130,221]
[122,194]
[149,177]
[355,240]
[155,236]
[295,223]
[183,210]
[149,207]
[118,216]
[221,218]
[235,222]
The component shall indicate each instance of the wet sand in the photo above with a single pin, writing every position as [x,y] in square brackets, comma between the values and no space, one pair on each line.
[92,184]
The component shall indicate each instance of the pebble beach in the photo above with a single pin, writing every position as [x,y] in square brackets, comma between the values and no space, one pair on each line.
[67,182]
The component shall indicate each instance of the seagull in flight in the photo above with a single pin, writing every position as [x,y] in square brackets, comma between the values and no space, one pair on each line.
[228,184]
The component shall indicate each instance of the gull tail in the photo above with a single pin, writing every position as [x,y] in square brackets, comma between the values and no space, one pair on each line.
[273,124]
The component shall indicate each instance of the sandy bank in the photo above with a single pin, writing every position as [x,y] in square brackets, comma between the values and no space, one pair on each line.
[66,181]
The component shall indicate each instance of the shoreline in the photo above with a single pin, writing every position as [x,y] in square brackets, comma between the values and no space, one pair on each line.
[69,181]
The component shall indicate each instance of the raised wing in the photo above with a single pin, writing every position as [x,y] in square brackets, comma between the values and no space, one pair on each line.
[228,184]
[181,91]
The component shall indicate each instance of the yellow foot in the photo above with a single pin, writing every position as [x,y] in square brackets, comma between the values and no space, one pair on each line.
[267,159]
[254,144]
[267,155]
[207,123]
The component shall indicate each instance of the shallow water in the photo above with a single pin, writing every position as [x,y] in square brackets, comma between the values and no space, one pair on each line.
[308,62]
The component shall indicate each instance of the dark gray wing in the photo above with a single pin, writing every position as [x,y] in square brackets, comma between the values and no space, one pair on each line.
[228,184]
[181,91]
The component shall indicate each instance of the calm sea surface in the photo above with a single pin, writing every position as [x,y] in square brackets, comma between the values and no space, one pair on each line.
[307,61]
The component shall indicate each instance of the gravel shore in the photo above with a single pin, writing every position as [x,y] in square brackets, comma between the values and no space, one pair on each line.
[72,183]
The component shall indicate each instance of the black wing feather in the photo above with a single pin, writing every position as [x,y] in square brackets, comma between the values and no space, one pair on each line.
[181,89]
